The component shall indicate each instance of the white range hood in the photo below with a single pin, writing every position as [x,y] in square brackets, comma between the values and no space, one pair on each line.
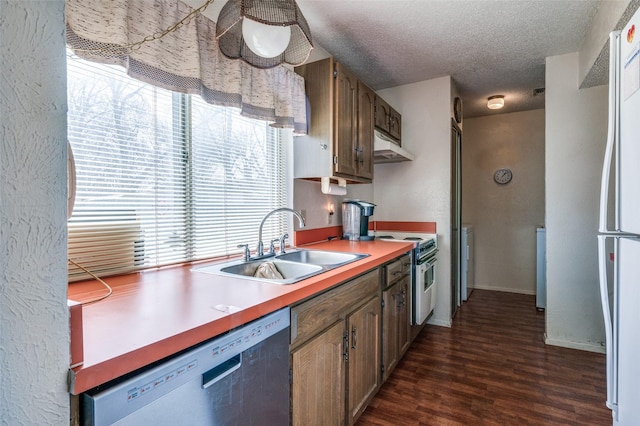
[386,151]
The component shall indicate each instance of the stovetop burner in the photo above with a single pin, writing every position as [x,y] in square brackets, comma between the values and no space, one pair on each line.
[425,244]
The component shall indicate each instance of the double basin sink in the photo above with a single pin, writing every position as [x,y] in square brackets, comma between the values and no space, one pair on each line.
[293,266]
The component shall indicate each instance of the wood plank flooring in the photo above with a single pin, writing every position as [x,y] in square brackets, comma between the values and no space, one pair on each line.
[492,368]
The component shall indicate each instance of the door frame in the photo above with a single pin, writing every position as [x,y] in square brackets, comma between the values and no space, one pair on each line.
[456,215]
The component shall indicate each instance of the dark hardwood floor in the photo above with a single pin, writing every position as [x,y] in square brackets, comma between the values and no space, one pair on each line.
[492,368]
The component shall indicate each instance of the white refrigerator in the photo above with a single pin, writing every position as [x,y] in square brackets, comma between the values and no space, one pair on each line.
[619,228]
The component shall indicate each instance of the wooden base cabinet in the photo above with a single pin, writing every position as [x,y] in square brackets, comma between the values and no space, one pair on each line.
[364,357]
[404,316]
[396,320]
[318,381]
[395,325]
[335,353]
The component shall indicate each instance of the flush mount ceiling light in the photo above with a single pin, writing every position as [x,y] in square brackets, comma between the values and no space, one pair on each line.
[264,33]
[495,102]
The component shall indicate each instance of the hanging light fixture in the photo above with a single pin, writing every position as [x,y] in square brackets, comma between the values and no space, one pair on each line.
[495,102]
[264,33]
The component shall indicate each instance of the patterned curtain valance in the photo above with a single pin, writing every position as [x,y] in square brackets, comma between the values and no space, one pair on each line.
[186,60]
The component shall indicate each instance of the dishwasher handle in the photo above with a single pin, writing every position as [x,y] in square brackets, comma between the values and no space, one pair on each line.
[221,371]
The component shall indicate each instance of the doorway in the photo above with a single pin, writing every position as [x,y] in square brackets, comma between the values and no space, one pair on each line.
[456,215]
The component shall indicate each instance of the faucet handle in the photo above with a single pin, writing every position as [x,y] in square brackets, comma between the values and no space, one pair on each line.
[283,237]
[272,246]
[247,252]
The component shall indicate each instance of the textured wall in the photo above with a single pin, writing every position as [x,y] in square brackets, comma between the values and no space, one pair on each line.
[309,197]
[34,332]
[576,129]
[420,190]
[504,217]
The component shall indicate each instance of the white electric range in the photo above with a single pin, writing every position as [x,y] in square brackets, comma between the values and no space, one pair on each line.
[423,257]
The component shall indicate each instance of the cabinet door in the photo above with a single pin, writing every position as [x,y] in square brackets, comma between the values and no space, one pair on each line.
[390,330]
[364,357]
[404,319]
[346,121]
[318,381]
[366,111]
[395,124]
[382,114]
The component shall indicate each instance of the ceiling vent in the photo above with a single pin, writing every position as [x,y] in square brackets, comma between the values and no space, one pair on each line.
[538,92]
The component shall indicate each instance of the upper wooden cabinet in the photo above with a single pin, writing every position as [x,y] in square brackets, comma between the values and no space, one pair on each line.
[388,120]
[395,125]
[366,111]
[339,142]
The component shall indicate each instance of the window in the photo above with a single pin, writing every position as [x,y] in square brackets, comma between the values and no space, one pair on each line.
[164,177]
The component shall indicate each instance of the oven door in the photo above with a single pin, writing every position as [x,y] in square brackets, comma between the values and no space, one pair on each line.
[424,289]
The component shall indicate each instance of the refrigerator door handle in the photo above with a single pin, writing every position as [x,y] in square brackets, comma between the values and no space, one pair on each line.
[611,132]
[608,323]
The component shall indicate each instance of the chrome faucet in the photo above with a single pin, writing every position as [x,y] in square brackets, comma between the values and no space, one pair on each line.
[260,249]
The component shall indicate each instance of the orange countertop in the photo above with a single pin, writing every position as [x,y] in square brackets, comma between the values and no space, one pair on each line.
[157,313]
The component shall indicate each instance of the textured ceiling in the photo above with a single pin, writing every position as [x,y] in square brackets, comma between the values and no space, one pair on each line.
[489,47]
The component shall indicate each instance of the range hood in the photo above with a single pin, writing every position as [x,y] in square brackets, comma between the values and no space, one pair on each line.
[386,151]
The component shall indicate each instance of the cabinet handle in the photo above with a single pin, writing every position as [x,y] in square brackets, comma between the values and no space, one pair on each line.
[354,337]
[346,345]
[359,152]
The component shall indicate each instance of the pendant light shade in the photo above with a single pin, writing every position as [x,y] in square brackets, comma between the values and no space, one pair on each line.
[264,33]
[495,102]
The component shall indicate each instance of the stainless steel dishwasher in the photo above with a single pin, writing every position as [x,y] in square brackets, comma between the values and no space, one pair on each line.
[239,378]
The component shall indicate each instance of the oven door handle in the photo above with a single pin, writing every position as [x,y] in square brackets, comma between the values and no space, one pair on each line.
[429,262]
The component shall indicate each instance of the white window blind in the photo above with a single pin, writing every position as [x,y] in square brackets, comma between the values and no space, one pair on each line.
[163,177]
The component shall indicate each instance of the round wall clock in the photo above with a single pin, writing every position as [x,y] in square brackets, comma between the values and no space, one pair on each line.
[457,110]
[502,176]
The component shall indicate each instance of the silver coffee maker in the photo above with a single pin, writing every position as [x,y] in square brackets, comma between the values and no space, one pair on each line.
[355,219]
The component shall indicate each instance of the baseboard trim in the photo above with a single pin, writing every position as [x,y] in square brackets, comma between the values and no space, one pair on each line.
[439,322]
[505,289]
[590,347]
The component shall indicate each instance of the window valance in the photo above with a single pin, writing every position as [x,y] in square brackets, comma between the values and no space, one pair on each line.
[186,60]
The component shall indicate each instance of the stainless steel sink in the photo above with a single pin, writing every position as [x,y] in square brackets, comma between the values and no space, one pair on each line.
[291,271]
[294,266]
[321,257]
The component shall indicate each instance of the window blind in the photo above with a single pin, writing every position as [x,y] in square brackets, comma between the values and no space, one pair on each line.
[164,177]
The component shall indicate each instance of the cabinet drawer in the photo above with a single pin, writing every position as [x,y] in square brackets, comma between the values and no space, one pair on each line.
[397,269]
[313,316]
